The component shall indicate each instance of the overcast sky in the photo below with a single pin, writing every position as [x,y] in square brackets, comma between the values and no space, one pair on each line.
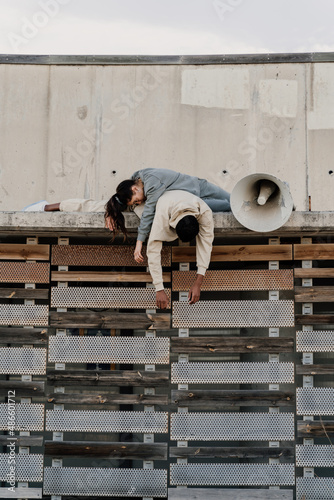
[165,26]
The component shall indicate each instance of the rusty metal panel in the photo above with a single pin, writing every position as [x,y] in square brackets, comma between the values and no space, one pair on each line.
[101,255]
[121,297]
[233,314]
[129,350]
[21,315]
[254,279]
[104,482]
[24,272]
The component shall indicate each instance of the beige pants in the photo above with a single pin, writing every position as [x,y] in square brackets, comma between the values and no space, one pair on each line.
[82,205]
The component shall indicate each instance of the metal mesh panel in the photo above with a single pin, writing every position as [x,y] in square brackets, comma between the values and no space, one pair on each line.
[22,360]
[105,482]
[315,401]
[233,373]
[24,272]
[23,417]
[27,467]
[315,488]
[132,298]
[23,315]
[233,314]
[232,474]
[101,255]
[255,279]
[237,426]
[106,421]
[109,350]
[315,341]
[314,456]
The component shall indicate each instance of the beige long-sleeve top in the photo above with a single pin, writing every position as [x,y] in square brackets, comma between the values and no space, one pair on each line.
[171,207]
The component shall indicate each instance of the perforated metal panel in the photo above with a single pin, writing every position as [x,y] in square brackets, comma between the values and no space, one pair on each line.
[23,315]
[125,298]
[23,417]
[233,373]
[314,488]
[315,401]
[233,314]
[24,272]
[22,360]
[106,421]
[26,467]
[88,481]
[314,456]
[231,474]
[254,279]
[101,255]
[109,350]
[234,426]
[315,341]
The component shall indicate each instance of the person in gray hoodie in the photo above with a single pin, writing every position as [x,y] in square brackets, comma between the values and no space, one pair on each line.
[147,185]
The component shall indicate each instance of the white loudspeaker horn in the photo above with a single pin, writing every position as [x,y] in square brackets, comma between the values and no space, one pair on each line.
[261,202]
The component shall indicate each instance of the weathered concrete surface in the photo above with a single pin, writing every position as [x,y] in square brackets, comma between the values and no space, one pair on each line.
[77,130]
[61,223]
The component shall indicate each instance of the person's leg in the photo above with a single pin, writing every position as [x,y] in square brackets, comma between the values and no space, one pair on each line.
[82,205]
[214,196]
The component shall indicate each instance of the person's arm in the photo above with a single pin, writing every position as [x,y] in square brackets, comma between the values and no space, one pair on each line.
[204,241]
[154,263]
[195,290]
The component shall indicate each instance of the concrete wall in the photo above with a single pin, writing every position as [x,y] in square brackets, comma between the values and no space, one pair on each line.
[72,131]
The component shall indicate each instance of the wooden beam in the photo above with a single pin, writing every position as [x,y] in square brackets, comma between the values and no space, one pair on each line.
[107,399]
[315,369]
[110,450]
[138,378]
[231,452]
[22,388]
[316,251]
[23,336]
[110,277]
[231,344]
[228,494]
[216,399]
[14,251]
[314,294]
[314,272]
[236,253]
[106,319]
[314,319]
[315,428]
[24,293]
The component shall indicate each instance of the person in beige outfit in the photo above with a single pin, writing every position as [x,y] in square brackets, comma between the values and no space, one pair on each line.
[184,215]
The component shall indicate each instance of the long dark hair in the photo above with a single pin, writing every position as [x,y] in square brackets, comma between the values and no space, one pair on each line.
[118,203]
